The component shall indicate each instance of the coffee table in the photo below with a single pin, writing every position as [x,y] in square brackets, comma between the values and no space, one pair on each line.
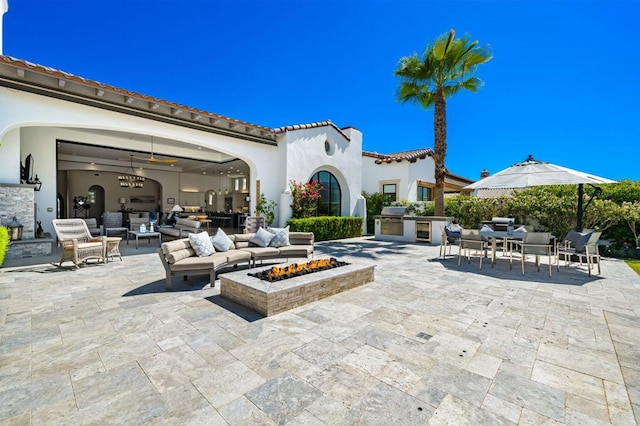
[147,234]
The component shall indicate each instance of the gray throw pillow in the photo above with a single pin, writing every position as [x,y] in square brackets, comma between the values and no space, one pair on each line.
[261,238]
[280,237]
[201,244]
[582,241]
[221,241]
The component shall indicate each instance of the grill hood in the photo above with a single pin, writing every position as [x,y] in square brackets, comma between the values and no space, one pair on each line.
[398,211]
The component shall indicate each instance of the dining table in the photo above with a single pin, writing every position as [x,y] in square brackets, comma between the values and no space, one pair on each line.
[506,237]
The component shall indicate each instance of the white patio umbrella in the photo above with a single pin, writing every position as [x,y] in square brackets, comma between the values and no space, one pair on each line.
[532,172]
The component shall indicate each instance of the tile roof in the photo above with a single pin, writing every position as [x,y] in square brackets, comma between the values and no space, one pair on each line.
[317,124]
[411,156]
[52,72]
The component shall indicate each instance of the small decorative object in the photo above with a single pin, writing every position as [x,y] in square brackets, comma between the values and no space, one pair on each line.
[15,230]
[143,228]
[171,200]
[122,201]
[40,231]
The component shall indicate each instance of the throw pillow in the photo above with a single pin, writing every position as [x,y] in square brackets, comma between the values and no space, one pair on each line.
[221,241]
[520,229]
[486,228]
[261,238]
[280,237]
[201,244]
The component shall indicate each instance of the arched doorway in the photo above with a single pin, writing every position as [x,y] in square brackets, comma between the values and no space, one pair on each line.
[95,198]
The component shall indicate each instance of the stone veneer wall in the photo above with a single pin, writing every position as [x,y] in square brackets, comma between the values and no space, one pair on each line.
[18,200]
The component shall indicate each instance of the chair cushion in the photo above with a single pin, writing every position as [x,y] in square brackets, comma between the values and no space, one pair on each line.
[582,240]
[280,237]
[261,238]
[201,244]
[221,242]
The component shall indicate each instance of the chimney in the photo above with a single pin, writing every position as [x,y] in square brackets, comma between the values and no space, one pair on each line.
[484,173]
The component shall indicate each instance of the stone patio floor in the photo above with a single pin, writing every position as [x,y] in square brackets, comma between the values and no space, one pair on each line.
[428,342]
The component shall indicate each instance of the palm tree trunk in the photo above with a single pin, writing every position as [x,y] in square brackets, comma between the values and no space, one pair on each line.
[440,148]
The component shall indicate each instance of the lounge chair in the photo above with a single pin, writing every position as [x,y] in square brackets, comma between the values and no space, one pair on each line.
[583,247]
[78,245]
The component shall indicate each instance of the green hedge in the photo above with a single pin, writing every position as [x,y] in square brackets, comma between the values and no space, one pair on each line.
[328,227]
[4,243]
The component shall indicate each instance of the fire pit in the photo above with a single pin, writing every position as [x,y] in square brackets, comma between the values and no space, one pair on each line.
[272,297]
[277,273]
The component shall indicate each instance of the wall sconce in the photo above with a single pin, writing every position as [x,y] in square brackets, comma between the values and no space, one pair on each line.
[247,198]
[38,183]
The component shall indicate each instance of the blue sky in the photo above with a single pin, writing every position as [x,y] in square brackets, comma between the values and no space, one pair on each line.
[564,83]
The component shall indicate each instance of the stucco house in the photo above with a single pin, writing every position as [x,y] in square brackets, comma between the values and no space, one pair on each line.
[406,175]
[79,138]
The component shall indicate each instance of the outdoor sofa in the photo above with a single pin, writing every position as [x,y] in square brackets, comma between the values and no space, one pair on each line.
[181,229]
[179,256]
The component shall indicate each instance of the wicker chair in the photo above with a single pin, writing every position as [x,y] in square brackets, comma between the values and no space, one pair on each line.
[78,245]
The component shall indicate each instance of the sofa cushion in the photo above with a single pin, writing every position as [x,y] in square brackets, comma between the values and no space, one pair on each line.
[195,262]
[187,224]
[280,237]
[178,255]
[175,245]
[201,243]
[221,241]
[242,240]
[296,251]
[261,238]
[235,256]
[261,252]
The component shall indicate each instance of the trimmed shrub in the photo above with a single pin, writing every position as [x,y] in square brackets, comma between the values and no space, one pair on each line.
[4,243]
[326,228]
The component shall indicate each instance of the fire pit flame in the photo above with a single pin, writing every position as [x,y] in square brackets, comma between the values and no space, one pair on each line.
[277,273]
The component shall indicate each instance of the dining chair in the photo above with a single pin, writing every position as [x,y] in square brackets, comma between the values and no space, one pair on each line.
[533,243]
[588,251]
[448,239]
[471,240]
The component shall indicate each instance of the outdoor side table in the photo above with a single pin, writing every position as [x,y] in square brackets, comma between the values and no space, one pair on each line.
[148,235]
[118,230]
[113,248]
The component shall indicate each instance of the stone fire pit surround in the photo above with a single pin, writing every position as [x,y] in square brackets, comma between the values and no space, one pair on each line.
[270,298]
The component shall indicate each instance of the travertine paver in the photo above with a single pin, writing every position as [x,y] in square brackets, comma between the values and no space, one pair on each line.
[427,342]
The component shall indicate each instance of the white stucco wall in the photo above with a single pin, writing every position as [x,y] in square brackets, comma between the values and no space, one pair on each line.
[46,119]
[406,174]
[304,151]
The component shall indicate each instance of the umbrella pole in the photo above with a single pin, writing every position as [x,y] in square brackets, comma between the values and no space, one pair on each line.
[580,210]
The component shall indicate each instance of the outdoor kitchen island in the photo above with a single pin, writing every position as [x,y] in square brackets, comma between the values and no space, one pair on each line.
[394,224]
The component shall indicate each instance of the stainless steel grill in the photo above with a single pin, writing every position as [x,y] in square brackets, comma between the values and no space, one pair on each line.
[391,220]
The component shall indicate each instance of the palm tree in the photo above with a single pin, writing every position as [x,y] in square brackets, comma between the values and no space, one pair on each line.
[446,67]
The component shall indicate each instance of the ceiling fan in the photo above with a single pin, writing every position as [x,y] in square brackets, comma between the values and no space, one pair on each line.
[153,159]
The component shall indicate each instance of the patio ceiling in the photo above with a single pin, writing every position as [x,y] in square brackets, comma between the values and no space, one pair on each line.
[191,159]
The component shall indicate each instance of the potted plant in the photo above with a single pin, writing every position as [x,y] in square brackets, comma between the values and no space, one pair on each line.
[267,208]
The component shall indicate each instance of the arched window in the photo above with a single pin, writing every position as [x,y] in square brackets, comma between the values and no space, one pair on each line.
[329,203]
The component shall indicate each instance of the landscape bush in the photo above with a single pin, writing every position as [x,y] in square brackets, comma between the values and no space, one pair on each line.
[326,228]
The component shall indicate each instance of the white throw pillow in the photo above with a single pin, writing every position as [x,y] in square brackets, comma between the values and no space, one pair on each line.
[221,241]
[280,237]
[201,244]
[520,229]
[486,228]
[261,238]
